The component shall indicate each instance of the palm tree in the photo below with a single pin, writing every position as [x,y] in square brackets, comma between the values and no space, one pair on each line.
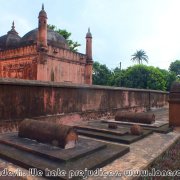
[140,56]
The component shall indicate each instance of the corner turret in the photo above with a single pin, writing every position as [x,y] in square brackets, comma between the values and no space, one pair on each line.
[42,29]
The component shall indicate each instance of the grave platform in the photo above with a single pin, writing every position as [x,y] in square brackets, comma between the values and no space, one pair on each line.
[158,126]
[100,130]
[90,154]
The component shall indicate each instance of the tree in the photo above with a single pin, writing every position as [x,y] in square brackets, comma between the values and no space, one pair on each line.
[137,76]
[175,67]
[141,76]
[169,77]
[72,44]
[116,77]
[101,74]
[178,78]
[140,56]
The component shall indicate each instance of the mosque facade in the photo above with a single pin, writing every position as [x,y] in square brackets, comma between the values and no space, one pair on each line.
[43,54]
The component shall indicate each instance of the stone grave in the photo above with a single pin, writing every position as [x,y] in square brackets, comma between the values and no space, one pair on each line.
[48,159]
[121,130]
[160,123]
[100,130]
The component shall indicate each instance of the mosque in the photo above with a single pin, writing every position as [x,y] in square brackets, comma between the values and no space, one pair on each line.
[43,54]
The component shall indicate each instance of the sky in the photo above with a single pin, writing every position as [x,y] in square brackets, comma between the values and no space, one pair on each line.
[118,27]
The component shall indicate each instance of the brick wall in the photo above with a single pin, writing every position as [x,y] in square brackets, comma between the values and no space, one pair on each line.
[21,99]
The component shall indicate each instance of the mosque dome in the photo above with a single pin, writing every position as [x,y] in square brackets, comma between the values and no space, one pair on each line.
[53,38]
[10,40]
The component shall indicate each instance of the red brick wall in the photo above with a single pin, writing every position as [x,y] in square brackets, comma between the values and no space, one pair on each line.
[59,65]
[61,71]
[26,99]
[62,65]
[19,63]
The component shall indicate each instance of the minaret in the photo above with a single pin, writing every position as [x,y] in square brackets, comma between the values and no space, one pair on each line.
[42,29]
[89,45]
[89,60]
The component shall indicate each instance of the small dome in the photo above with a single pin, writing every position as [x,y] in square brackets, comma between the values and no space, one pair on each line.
[10,40]
[43,13]
[88,34]
[53,38]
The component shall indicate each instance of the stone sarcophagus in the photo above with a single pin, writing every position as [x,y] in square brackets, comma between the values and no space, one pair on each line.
[174,105]
[45,132]
[135,117]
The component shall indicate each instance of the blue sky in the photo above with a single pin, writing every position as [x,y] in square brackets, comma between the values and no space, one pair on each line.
[119,27]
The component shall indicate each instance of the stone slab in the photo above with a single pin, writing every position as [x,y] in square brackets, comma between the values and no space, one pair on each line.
[154,125]
[27,159]
[126,138]
[48,151]
[164,128]
[102,127]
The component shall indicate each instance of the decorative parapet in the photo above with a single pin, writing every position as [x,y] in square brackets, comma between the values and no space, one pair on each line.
[65,54]
[17,52]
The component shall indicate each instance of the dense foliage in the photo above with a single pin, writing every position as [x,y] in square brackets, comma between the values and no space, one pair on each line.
[101,74]
[72,44]
[169,77]
[175,67]
[137,76]
[141,76]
